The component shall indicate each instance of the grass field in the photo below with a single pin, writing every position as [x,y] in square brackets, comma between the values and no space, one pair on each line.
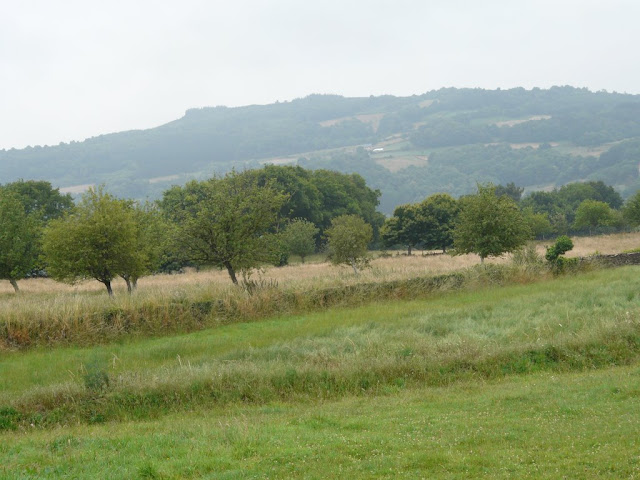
[518,378]
[542,426]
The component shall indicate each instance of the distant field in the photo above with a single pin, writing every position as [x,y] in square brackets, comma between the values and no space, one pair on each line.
[511,123]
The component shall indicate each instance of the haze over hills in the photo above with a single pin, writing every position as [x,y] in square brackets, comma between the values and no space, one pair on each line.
[408,147]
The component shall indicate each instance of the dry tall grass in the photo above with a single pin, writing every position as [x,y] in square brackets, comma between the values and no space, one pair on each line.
[318,274]
[47,312]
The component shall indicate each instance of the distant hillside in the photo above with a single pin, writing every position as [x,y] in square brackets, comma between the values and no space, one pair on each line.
[408,147]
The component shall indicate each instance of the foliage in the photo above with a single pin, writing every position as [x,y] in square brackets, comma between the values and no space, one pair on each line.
[299,237]
[40,198]
[439,213]
[593,213]
[150,244]
[511,190]
[539,223]
[99,240]
[404,228]
[348,238]
[631,211]
[468,135]
[562,245]
[19,238]
[489,225]
[225,221]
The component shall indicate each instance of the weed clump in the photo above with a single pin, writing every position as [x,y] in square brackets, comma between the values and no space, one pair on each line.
[96,377]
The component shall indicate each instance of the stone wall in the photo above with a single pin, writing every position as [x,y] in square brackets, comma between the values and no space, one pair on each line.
[616,260]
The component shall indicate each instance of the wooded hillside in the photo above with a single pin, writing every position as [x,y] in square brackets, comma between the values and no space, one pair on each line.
[408,147]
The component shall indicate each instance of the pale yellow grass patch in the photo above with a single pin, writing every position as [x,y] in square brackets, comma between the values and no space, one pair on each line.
[372,118]
[396,164]
[511,123]
[77,188]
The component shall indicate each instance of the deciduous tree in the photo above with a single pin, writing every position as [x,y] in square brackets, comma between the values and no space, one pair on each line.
[19,238]
[348,238]
[225,222]
[438,215]
[489,225]
[97,240]
[299,237]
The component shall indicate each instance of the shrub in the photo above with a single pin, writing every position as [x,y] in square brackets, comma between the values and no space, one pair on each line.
[558,263]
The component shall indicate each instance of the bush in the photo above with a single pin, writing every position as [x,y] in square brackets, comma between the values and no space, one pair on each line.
[558,263]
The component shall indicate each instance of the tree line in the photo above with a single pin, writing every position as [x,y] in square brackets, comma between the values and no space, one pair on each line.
[236,222]
[244,220]
[497,219]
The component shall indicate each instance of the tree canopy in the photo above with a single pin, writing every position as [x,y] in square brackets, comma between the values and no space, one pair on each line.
[226,221]
[489,225]
[19,238]
[348,238]
[98,239]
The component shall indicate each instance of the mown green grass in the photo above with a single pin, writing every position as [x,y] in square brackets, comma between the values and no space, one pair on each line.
[570,323]
[538,426]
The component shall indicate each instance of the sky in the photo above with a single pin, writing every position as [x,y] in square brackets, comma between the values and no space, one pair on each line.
[74,69]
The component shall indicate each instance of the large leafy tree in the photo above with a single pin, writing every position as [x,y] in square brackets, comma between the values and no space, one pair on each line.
[99,240]
[348,238]
[19,238]
[438,214]
[225,221]
[592,214]
[489,225]
[404,228]
[39,197]
[303,196]
[346,194]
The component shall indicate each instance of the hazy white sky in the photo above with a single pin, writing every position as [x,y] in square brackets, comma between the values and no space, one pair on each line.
[79,68]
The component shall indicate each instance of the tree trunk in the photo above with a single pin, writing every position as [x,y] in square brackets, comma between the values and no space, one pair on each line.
[481,259]
[409,250]
[353,265]
[14,284]
[232,273]
[107,283]
[132,283]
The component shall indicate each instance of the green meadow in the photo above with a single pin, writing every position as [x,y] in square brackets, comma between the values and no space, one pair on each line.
[532,380]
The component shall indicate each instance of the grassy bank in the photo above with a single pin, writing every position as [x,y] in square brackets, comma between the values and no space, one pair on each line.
[541,426]
[569,323]
[49,313]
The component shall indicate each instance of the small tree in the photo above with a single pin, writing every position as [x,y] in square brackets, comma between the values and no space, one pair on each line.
[348,238]
[563,245]
[150,244]
[19,238]
[97,240]
[489,225]
[299,237]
